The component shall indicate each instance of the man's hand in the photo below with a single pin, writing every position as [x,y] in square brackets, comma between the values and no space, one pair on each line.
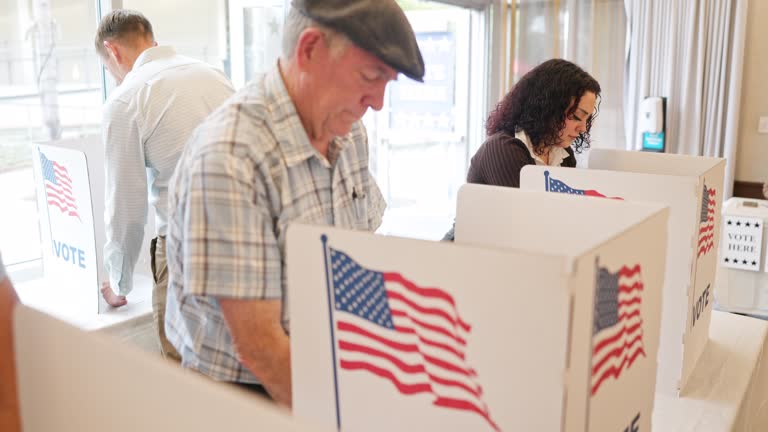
[261,344]
[110,297]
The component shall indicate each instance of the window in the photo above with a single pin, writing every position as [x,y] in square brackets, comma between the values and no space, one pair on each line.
[422,139]
[589,33]
[50,87]
[196,29]
[256,29]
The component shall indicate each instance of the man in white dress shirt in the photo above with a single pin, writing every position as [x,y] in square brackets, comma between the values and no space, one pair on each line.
[160,99]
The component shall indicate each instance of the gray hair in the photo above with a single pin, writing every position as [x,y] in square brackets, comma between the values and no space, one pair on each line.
[122,24]
[296,22]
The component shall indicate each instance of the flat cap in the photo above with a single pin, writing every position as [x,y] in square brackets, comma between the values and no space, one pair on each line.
[377,26]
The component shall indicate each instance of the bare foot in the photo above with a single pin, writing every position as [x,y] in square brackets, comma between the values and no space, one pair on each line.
[111,298]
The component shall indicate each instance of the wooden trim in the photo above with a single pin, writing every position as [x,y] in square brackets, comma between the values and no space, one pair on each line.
[744,189]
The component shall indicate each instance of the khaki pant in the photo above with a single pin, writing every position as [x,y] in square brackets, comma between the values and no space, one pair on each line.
[159,293]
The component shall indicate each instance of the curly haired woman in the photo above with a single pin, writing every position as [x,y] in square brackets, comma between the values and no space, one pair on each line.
[545,117]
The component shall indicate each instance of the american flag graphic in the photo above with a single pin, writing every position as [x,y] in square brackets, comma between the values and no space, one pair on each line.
[553,185]
[617,337]
[707,221]
[410,336]
[58,186]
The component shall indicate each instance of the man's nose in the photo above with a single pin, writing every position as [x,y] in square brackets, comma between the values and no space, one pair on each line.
[375,99]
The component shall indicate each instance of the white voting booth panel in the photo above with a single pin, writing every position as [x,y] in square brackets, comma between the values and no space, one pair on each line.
[399,334]
[75,381]
[69,183]
[613,273]
[692,187]
[741,286]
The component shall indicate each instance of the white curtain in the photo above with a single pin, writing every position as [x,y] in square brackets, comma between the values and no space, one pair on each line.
[689,51]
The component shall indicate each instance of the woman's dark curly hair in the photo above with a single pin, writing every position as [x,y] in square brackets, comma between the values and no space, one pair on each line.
[537,104]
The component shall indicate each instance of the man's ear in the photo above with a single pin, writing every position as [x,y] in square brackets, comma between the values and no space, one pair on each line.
[113,50]
[311,47]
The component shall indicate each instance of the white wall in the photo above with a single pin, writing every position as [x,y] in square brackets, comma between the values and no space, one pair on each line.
[752,153]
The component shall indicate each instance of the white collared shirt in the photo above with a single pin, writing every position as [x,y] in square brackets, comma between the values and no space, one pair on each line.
[146,122]
[556,154]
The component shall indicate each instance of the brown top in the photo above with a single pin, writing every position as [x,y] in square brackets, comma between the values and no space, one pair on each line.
[501,157]
[498,163]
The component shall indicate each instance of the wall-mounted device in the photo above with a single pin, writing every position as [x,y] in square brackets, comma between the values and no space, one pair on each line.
[651,123]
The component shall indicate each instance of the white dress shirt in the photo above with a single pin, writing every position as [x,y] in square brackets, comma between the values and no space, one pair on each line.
[146,122]
[556,154]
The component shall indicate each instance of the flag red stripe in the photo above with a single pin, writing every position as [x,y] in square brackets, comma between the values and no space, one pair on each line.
[624,317]
[64,209]
[408,348]
[706,228]
[59,189]
[429,293]
[61,204]
[616,371]
[66,188]
[705,249]
[424,292]
[403,366]
[345,326]
[411,348]
[425,341]
[464,405]
[629,271]
[614,338]
[62,186]
[63,198]
[423,310]
[446,365]
[631,302]
[478,392]
[401,387]
[352,328]
[594,193]
[407,368]
[58,167]
[616,352]
[628,289]
[427,326]
[410,389]
[64,182]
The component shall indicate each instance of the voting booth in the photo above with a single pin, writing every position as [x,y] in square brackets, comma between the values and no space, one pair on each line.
[70,380]
[69,184]
[400,334]
[692,187]
[742,274]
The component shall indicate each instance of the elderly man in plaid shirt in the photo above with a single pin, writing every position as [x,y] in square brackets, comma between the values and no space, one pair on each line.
[289,147]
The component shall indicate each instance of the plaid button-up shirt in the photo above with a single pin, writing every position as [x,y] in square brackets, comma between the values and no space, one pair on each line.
[247,172]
